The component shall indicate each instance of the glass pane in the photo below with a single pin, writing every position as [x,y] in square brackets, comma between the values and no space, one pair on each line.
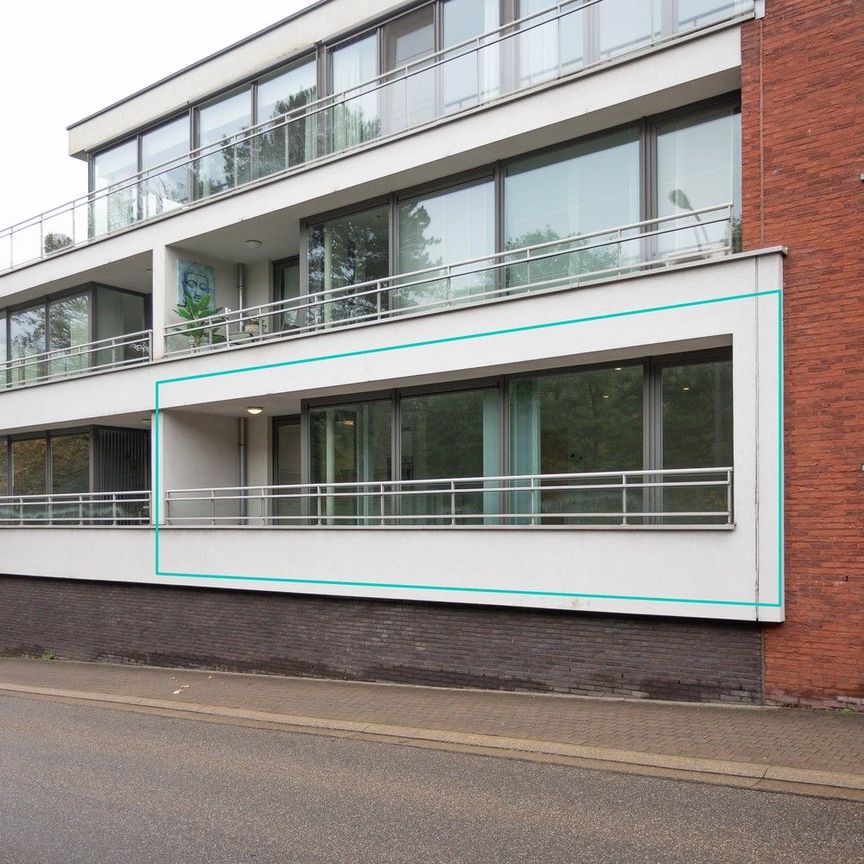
[699,166]
[27,338]
[583,188]
[701,13]
[288,467]
[4,351]
[120,313]
[350,444]
[294,143]
[697,433]
[343,252]
[549,46]
[29,466]
[167,189]
[469,75]
[409,97]
[286,281]
[444,228]
[572,424]
[451,435]
[355,119]
[116,209]
[68,328]
[70,463]
[4,468]
[218,125]
[626,26]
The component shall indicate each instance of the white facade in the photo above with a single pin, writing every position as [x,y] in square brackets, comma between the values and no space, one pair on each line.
[691,297]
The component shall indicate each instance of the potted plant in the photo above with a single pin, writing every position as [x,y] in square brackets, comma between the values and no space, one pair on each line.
[195,310]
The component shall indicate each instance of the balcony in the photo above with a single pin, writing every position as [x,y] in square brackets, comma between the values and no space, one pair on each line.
[92,509]
[552,44]
[104,355]
[694,235]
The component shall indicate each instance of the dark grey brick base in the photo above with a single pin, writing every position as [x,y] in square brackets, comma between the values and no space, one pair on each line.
[376,640]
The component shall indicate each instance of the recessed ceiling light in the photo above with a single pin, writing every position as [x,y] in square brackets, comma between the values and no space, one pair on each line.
[685,388]
[253,244]
[618,368]
[254,409]
[605,395]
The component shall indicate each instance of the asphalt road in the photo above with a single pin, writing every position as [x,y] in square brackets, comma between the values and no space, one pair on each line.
[86,784]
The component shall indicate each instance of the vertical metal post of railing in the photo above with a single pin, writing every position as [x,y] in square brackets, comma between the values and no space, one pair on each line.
[378,299]
[318,502]
[80,510]
[452,502]
[212,506]
[729,498]
[20,511]
[535,502]
[264,513]
[41,235]
[381,508]
[478,69]
[623,499]
[114,515]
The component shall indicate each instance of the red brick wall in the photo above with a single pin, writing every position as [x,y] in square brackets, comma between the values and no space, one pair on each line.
[803,120]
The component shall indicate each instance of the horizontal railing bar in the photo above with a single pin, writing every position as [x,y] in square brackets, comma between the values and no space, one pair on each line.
[640,472]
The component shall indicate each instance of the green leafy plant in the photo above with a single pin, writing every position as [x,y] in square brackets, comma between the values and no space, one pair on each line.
[48,655]
[194,310]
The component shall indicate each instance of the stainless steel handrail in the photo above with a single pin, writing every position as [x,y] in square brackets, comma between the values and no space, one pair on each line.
[504,499]
[327,309]
[42,368]
[70,509]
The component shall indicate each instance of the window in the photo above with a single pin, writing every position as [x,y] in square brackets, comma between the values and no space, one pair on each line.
[553,430]
[345,251]
[286,92]
[168,188]
[217,128]
[699,166]
[438,228]
[115,209]
[356,119]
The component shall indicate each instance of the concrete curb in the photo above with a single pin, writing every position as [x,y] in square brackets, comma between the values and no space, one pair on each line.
[769,777]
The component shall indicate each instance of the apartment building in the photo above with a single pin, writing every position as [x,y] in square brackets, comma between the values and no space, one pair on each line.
[497,343]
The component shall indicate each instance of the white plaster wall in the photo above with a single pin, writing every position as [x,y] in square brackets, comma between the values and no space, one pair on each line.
[680,573]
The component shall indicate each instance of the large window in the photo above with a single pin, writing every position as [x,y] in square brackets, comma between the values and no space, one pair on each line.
[699,166]
[344,251]
[111,168]
[356,119]
[627,442]
[168,188]
[285,145]
[64,325]
[350,444]
[218,128]
[438,228]
[579,189]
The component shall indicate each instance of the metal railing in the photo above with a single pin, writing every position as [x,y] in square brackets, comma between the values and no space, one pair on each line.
[115,352]
[73,509]
[629,499]
[544,46]
[687,236]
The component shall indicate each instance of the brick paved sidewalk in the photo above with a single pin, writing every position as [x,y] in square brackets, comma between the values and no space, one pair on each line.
[784,737]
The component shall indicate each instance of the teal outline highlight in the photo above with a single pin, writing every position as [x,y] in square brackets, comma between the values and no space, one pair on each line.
[485,335]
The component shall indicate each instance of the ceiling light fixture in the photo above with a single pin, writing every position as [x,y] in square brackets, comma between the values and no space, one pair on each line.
[254,409]
[253,244]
